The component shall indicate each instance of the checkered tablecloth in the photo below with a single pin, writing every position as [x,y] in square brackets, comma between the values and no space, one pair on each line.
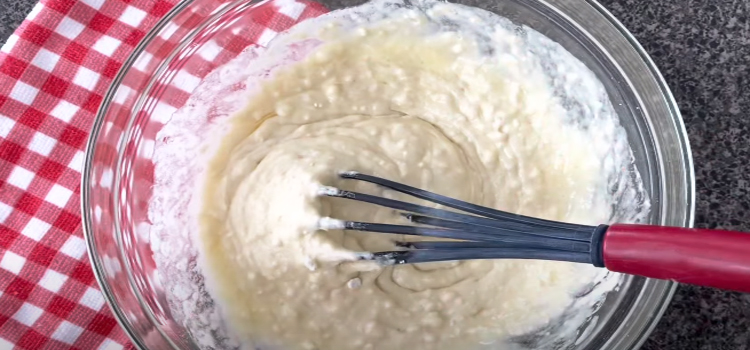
[54,71]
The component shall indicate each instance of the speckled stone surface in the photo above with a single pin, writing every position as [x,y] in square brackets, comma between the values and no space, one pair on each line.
[703,50]
[12,13]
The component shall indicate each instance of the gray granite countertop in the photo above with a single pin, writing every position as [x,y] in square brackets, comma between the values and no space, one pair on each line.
[703,50]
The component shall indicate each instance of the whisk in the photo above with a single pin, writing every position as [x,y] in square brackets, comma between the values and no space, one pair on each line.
[711,258]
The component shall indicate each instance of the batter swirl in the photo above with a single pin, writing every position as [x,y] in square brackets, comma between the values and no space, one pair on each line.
[421,97]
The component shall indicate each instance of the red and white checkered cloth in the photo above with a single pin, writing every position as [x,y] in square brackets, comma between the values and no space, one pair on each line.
[54,72]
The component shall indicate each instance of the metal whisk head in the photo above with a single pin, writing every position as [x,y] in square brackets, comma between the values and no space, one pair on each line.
[477,233]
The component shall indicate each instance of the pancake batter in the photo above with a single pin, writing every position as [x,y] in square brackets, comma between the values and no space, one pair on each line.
[421,97]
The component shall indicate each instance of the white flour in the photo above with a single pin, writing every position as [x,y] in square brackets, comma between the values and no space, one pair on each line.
[580,107]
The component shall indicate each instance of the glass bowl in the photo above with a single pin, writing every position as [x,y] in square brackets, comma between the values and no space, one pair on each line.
[182,49]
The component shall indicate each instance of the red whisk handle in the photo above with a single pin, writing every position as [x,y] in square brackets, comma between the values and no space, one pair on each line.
[711,258]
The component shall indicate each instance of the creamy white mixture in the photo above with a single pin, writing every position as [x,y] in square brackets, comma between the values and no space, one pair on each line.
[442,97]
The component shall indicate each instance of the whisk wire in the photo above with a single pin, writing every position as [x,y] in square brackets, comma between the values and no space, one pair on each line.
[423,256]
[476,234]
[575,232]
[436,245]
[454,203]
[496,226]
[484,233]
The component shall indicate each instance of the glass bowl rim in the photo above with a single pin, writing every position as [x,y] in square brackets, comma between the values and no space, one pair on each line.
[668,288]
